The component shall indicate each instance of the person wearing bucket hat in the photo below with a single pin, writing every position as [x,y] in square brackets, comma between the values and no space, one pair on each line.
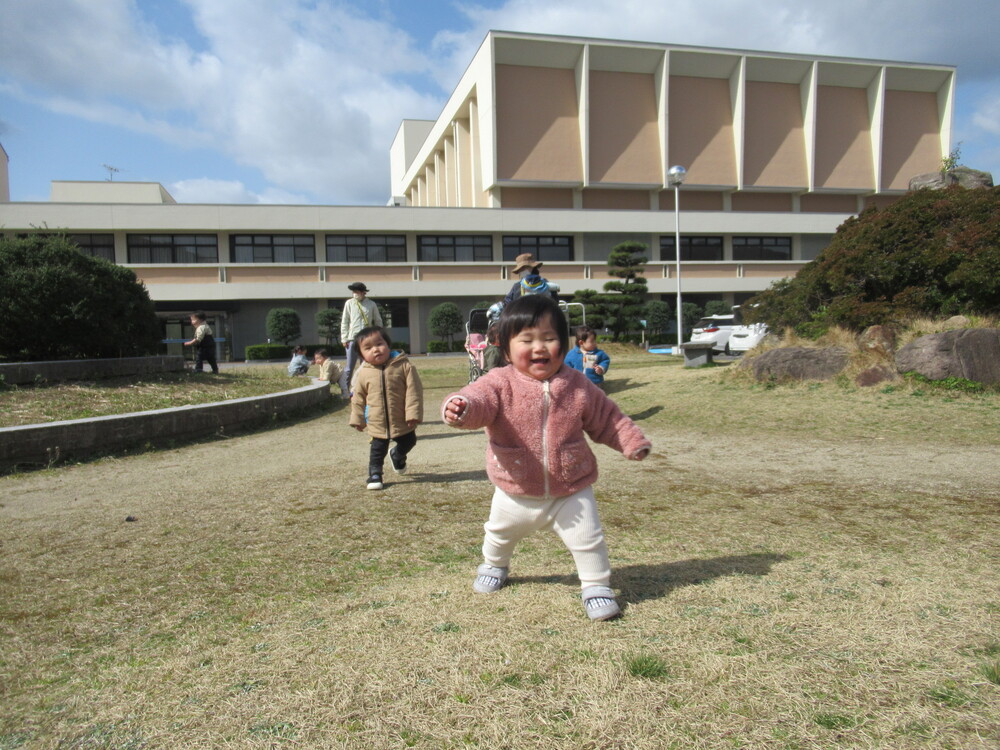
[531,281]
[359,312]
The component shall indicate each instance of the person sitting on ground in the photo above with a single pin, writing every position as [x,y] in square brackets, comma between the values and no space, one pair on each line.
[300,362]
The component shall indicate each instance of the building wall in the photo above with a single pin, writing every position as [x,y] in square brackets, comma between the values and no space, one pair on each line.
[911,143]
[843,138]
[4,177]
[538,130]
[624,144]
[701,130]
[775,151]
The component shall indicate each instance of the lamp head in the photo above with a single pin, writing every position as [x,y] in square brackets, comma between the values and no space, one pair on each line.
[676,175]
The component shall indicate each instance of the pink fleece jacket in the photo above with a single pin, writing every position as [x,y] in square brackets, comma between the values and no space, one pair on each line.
[536,429]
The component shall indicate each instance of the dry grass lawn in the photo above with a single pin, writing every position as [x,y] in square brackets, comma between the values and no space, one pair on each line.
[79,399]
[800,567]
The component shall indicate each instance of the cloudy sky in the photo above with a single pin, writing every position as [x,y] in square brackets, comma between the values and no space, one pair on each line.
[297,101]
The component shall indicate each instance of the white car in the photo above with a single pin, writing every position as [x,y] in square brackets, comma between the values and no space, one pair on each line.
[745,338]
[715,329]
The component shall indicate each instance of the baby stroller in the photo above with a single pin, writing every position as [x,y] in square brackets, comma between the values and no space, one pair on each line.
[475,342]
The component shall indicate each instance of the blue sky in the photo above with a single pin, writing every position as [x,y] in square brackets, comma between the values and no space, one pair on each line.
[297,101]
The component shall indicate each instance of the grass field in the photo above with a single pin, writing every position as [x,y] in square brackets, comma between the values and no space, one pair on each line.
[809,566]
[20,405]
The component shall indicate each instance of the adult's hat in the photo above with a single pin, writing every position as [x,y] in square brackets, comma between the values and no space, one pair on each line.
[525,260]
[357,286]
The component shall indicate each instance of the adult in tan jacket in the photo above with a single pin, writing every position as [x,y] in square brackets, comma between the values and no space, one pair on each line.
[388,387]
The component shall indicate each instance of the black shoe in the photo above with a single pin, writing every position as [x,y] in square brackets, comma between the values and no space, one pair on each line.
[398,462]
[375,481]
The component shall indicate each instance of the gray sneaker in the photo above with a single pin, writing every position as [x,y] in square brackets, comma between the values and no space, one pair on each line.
[489,579]
[599,601]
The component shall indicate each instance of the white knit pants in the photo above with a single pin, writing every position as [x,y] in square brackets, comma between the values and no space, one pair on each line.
[574,518]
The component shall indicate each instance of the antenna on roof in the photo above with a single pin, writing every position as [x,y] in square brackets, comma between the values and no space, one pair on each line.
[111,172]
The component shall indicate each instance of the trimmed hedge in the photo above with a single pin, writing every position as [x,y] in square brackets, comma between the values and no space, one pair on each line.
[268,351]
[281,351]
[438,347]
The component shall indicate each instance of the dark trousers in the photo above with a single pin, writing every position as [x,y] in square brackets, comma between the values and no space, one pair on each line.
[352,361]
[380,449]
[203,355]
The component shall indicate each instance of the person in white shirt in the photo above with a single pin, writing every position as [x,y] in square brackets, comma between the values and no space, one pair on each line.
[359,312]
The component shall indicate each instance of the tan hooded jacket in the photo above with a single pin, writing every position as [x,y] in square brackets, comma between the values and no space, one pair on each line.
[393,394]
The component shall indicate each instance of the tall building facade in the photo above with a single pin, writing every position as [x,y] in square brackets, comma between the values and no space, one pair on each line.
[559,147]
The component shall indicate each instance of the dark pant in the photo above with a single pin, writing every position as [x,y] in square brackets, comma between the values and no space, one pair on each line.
[205,354]
[352,360]
[380,448]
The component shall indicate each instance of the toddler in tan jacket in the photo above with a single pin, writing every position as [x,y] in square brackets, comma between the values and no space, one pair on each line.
[388,402]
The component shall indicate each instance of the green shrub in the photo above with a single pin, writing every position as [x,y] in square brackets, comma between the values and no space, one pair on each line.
[328,324]
[57,303]
[438,347]
[283,324]
[932,253]
[268,351]
[445,320]
[458,346]
[401,346]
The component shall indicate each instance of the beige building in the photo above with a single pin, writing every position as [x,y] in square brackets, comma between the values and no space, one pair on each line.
[559,147]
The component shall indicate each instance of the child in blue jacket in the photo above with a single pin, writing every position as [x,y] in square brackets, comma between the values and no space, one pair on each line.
[587,358]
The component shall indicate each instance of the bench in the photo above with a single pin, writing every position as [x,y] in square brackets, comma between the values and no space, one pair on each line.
[697,353]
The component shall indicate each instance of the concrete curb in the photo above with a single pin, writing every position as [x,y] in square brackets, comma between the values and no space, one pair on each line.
[19,373]
[45,444]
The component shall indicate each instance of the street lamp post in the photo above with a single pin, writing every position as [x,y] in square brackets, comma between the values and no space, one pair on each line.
[675,176]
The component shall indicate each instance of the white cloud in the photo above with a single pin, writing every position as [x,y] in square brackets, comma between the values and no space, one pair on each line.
[987,114]
[310,94]
[206,190]
[958,32]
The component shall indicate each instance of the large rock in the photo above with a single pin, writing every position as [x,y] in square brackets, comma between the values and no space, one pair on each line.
[964,176]
[878,339]
[875,375]
[970,353]
[799,363]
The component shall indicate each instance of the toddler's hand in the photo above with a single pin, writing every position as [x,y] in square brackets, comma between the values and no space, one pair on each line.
[358,427]
[411,423]
[454,410]
[598,369]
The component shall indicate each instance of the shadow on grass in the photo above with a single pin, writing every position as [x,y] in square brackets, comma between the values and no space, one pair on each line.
[638,583]
[645,413]
[617,386]
[455,476]
[439,435]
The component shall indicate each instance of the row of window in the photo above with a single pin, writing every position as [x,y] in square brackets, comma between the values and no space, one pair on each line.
[391,248]
[744,248]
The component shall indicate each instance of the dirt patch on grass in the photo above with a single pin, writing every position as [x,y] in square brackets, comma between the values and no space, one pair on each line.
[800,567]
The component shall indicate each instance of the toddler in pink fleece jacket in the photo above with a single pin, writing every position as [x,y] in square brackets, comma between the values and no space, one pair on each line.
[536,414]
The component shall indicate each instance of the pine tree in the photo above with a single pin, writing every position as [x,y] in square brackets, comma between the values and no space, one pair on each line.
[623,300]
